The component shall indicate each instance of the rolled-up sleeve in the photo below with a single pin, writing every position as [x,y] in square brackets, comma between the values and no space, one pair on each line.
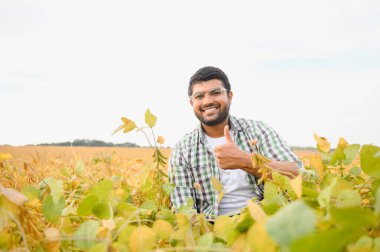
[274,147]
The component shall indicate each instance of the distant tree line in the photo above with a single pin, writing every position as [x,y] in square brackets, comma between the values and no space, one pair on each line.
[309,148]
[87,142]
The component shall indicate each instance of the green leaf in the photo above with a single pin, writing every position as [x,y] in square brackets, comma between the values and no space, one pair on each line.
[356,171]
[3,220]
[330,240]
[245,221]
[150,119]
[353,218]
[168,188]
[377,202]
[99,247]
[102,210]
[337,156]
[291,223]
[205,241]
[370,160]
[284,183]
[52,211]
[127,207]
[84,237]
[124,236]
[149,205]
[56,188]
[103,189]
[325,195]
[30,192]
[85,207]
[348,198]
[376,243]
[364,243]
[272,199]
[351,152]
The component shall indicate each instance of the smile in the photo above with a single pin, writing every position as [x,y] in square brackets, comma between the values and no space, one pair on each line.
[210,108]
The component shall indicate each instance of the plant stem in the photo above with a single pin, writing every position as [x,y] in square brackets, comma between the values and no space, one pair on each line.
[150,144]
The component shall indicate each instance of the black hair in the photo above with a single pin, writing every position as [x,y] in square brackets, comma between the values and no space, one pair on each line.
[208,73]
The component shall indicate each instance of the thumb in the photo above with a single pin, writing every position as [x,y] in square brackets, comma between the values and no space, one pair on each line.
[227,134]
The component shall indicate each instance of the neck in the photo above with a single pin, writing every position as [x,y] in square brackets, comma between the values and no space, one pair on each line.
[215,130]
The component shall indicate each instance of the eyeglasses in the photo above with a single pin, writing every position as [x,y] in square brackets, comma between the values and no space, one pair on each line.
[214,93]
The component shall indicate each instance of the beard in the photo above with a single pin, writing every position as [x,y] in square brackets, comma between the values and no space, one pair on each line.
[221,116]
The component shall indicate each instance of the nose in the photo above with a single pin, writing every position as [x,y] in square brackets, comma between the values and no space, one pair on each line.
[207,99]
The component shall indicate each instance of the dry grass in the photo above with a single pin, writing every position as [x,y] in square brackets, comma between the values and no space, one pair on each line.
[29,153]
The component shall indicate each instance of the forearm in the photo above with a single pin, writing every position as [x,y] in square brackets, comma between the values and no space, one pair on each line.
[286,168]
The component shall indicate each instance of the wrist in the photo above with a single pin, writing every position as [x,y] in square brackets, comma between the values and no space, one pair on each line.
[254,161]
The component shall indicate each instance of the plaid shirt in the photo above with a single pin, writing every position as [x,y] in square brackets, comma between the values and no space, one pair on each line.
[192,162]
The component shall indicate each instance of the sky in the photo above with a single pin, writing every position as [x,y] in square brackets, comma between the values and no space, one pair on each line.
[71,69]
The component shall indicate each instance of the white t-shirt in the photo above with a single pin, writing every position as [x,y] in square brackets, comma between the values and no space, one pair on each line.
[237,190]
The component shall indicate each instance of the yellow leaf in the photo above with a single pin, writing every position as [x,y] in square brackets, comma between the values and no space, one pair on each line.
[259,239]
[127,125]
[216,184]
[241,244]
[220,196]
[160,140]
[342,143]
[323,144]
[13,196]
[142,238]
[257,213]
[163,228]
[296,184]
[316,162]
[150,119]
[5,156]
[118,129]
[223,227]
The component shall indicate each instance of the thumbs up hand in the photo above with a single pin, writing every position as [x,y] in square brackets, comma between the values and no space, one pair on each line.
[229,155]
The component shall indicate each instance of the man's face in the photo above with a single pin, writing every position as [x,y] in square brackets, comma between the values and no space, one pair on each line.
[210,102]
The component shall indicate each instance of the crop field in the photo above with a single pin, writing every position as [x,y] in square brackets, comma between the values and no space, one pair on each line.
[117,199]
[28,153]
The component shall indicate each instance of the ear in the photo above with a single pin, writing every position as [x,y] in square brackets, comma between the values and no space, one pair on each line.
[191,102]
[230,95]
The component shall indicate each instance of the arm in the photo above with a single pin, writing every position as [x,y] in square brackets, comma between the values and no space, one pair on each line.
[180,176]
[230,156]
[282,159]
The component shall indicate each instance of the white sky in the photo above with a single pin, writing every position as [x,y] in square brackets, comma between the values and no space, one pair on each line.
[71,69]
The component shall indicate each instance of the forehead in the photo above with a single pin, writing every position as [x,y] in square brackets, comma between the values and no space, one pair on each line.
[207,85]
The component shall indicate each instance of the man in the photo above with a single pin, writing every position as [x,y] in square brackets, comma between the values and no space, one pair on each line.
[221,147]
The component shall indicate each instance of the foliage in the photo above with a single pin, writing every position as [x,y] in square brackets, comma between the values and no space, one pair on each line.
[333,206]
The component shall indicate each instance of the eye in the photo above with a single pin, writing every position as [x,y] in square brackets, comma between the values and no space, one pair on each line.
[216,92]
[198,96]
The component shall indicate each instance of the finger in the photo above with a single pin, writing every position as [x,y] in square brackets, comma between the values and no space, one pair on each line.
[227,134]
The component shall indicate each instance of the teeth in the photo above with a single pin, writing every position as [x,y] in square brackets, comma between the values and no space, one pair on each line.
[209,109]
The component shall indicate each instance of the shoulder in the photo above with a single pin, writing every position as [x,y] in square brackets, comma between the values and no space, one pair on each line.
[186,141]
[248,124]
